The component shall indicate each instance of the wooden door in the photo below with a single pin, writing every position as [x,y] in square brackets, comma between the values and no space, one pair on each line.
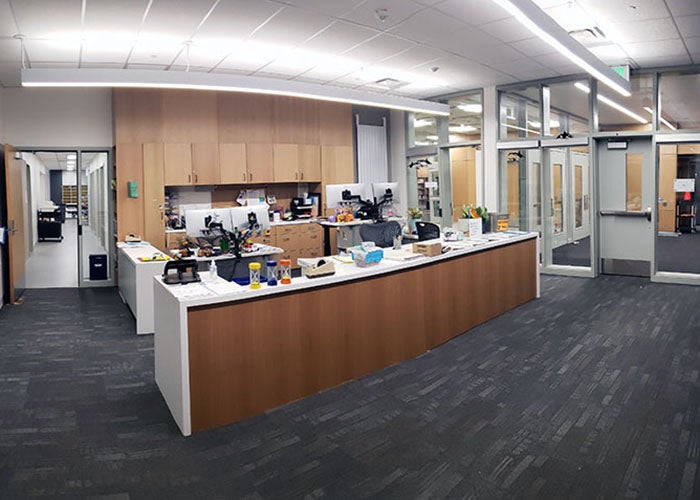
[129,210]
[232,163]
[153,194]
[285,158]
[463,173]
[668,170]
[178,164]
[15,222]
[259,159]
[205,164]
[310,163]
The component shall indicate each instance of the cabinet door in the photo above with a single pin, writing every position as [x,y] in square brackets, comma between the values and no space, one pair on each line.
[259,160]
[178,164]
[286,162]
[153,195]
[232,163]
[205,164]
[310,162]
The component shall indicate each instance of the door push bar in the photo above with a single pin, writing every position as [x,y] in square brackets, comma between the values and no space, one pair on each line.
[623,213]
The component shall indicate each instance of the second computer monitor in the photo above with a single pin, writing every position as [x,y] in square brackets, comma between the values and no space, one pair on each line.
[197,220]
[239,216]
[334,194]
[379,189]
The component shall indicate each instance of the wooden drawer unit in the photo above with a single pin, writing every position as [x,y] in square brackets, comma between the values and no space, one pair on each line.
[266,238]
[298,240]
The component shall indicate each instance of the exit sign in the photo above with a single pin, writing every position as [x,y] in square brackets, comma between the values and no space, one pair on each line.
[623,71]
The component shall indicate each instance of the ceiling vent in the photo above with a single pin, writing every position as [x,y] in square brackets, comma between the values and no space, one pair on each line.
[389,84]
[589,37]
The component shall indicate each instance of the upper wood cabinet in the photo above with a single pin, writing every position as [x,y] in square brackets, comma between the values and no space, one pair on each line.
[232,163]
[205,164]
[286,162]
[178,164]
[260,162]
[310,163]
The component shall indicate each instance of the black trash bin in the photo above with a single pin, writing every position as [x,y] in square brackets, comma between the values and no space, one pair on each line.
[98,267]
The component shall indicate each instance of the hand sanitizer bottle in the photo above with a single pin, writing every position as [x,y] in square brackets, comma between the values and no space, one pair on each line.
[213,274]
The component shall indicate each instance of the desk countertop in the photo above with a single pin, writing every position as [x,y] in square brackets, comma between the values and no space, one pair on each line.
[220,291]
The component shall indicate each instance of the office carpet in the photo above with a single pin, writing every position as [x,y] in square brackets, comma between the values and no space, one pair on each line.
[592,391]
[577,253]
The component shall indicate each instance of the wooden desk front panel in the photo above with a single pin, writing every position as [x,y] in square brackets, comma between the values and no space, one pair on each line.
[248,357]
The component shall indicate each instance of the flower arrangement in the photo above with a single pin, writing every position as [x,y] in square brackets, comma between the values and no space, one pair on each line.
[474,212]
[415,213]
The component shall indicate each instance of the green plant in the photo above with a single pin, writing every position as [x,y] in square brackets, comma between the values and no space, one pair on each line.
[474,212]
[415,213]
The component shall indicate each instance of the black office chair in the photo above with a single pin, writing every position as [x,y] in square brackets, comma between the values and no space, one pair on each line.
[382,234]
[427,231]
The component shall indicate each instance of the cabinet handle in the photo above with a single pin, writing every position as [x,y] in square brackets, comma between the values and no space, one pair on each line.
[244,176]
[296,175]
[250,176]
[195,178]
[302,176]
[189,178]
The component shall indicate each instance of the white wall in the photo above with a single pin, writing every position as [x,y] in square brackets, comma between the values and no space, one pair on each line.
[57,117]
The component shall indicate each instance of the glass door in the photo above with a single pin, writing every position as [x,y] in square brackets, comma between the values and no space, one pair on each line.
[94,229]
[557,197]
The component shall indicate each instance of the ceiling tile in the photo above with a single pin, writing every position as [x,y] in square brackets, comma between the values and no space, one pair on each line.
[339,37]
[655,49]
[10,74]
[507,30]
[427,27]
[495,54]
[237,20]
[646,31]
[102,65]
[533,47]
[7,22]
[610,54]
[47,18]
[693,44]
[466,41]
[689,26]
[155,51]
[248,59]
[292,26]
[326,74]
[9,50]
[473,12]
[116,17]
[52,50]
[651,61]
[147,66]
[174,19]
[335,8]
[681,8]
[415,56]
[619,11]
[378,48]
[107,51]
[397,11]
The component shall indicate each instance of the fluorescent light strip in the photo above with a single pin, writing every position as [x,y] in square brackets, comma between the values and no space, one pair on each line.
[613,104]
[661,118]
[134,78]
[536,20]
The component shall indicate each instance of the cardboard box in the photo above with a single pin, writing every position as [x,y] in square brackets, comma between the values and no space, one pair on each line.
[428,249]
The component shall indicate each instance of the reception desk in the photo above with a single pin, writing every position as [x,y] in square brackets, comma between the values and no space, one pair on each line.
[224,352]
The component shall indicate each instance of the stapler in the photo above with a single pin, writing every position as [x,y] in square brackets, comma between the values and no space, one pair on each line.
[321,268]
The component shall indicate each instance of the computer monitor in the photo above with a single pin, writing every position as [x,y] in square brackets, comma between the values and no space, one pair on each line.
[379,189]
[196,220]
[239,217]
[334,194]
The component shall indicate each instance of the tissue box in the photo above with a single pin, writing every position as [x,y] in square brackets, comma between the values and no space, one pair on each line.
[366,255]
[428,249]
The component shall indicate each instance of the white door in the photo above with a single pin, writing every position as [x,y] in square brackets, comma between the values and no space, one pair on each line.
[534,167]
[557,198]
[580,189]
[626,194]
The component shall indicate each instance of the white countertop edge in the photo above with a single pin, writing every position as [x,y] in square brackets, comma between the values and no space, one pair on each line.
[299,284]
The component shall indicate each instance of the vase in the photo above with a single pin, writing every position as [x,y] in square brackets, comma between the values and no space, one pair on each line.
[412,225]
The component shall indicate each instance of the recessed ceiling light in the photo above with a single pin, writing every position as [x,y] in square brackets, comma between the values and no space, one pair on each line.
[422,122]
[71,156]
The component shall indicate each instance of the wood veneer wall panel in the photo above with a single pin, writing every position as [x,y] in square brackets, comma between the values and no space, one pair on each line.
[130,211]
[335,123]
[153,195]
[245,117]
[137,115]
[190,116]
[248,357]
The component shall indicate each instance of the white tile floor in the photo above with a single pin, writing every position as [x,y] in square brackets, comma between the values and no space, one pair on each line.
[54,264]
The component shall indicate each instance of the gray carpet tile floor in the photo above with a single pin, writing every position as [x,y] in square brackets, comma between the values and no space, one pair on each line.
[592,391]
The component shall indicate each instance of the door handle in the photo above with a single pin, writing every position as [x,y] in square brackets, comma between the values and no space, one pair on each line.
[647,214]
[551,207]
